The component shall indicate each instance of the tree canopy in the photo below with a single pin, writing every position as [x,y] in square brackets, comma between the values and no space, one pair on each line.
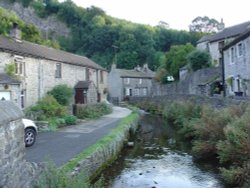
[94,33]
[206,25]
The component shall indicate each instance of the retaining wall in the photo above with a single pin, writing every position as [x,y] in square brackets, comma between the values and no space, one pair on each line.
[100,157]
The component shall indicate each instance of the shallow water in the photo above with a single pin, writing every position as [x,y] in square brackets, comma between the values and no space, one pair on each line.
[159,159]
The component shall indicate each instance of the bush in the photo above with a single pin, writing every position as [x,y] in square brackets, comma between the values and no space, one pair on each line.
[70,120]
[198,59]
[209,130]
[93,111]
[47,107]
[62,93]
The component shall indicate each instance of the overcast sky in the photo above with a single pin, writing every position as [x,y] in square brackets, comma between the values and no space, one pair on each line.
[177,13]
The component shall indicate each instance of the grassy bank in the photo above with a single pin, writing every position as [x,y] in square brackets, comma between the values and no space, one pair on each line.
[220,133]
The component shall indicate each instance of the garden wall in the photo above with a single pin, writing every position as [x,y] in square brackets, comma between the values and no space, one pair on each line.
[15,171]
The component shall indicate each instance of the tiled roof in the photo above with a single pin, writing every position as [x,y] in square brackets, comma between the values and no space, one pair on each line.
[25,48]
[135,74]
[5,79]
[228,32]
[82,85]
[238,39]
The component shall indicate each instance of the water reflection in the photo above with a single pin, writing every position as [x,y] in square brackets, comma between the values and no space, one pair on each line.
[160,160]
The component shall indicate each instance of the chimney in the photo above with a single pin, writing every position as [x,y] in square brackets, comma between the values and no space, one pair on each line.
[145,67]
[137,68]
[15,33]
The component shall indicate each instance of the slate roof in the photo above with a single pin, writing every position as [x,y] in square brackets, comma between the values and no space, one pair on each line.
[135,73]
[5,79]
[228,32]
[82,85]
[238,39]
[25,48]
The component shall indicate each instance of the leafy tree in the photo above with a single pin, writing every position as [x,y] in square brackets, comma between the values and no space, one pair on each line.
[205,24]
[176,58]
[198,59]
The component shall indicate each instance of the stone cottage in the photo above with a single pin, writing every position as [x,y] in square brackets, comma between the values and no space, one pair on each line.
[214,43]
[237,65]
[126,83]
[40,68]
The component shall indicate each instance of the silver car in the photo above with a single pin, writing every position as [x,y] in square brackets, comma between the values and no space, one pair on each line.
[30,130]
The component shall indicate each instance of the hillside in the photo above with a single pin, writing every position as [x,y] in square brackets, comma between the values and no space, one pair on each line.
[100,37]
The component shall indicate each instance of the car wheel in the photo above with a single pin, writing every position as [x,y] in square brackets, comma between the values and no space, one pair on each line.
[30,137]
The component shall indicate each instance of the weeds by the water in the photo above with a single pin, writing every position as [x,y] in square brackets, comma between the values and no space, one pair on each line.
[222,133]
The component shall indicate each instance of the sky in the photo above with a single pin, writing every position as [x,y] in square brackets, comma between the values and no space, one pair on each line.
[177,13]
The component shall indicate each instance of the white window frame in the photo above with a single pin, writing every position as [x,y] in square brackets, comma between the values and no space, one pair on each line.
[140,81]
[20,65]
[144,91]
[126,80]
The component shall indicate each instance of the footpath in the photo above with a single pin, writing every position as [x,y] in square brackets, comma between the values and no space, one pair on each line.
[64,144]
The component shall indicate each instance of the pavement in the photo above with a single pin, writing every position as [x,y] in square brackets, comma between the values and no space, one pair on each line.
[62,145]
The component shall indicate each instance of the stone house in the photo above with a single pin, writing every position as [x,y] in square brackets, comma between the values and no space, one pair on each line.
[126,83]
[40,68]
[214,43]
[237,65]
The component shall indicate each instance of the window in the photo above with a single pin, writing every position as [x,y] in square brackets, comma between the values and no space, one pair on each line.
[232,55]
[140,81]
[144,91]
[87,74]
[126,80]
[240,49]
[137,92]
[20,66]
[101,76]
[58,70]
[22,98]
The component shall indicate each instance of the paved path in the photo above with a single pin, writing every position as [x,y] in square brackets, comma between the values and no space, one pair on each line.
[63,145]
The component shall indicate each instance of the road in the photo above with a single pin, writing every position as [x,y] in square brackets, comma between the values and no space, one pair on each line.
[65,144]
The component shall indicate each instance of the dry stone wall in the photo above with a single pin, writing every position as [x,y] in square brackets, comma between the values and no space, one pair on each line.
[15,172]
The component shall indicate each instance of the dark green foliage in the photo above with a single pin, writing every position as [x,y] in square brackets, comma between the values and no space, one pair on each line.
[175,59]
[199,59]
[93,111]
[70,120]
[47,107]
[62,93]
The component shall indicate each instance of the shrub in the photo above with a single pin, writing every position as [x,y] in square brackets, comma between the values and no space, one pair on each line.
[198,59]
[47,107]
[62,93]
[70,120]
[209,130]
[93,110]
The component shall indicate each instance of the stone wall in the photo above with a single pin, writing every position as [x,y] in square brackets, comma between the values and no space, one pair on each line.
[100,157]
[196,83]
[15,172]
[48,26]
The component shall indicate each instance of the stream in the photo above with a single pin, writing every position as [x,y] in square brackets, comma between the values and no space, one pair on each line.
[159,159]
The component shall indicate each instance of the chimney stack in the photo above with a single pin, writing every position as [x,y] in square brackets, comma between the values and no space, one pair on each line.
[15,33]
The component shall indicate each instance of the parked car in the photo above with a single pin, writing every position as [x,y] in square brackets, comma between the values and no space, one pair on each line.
[30,130]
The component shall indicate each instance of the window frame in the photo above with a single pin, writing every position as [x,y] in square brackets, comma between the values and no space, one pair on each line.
[58,71]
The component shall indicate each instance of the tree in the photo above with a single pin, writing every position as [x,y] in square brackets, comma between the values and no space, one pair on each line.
[199,59]
[176,58]
[206,25]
